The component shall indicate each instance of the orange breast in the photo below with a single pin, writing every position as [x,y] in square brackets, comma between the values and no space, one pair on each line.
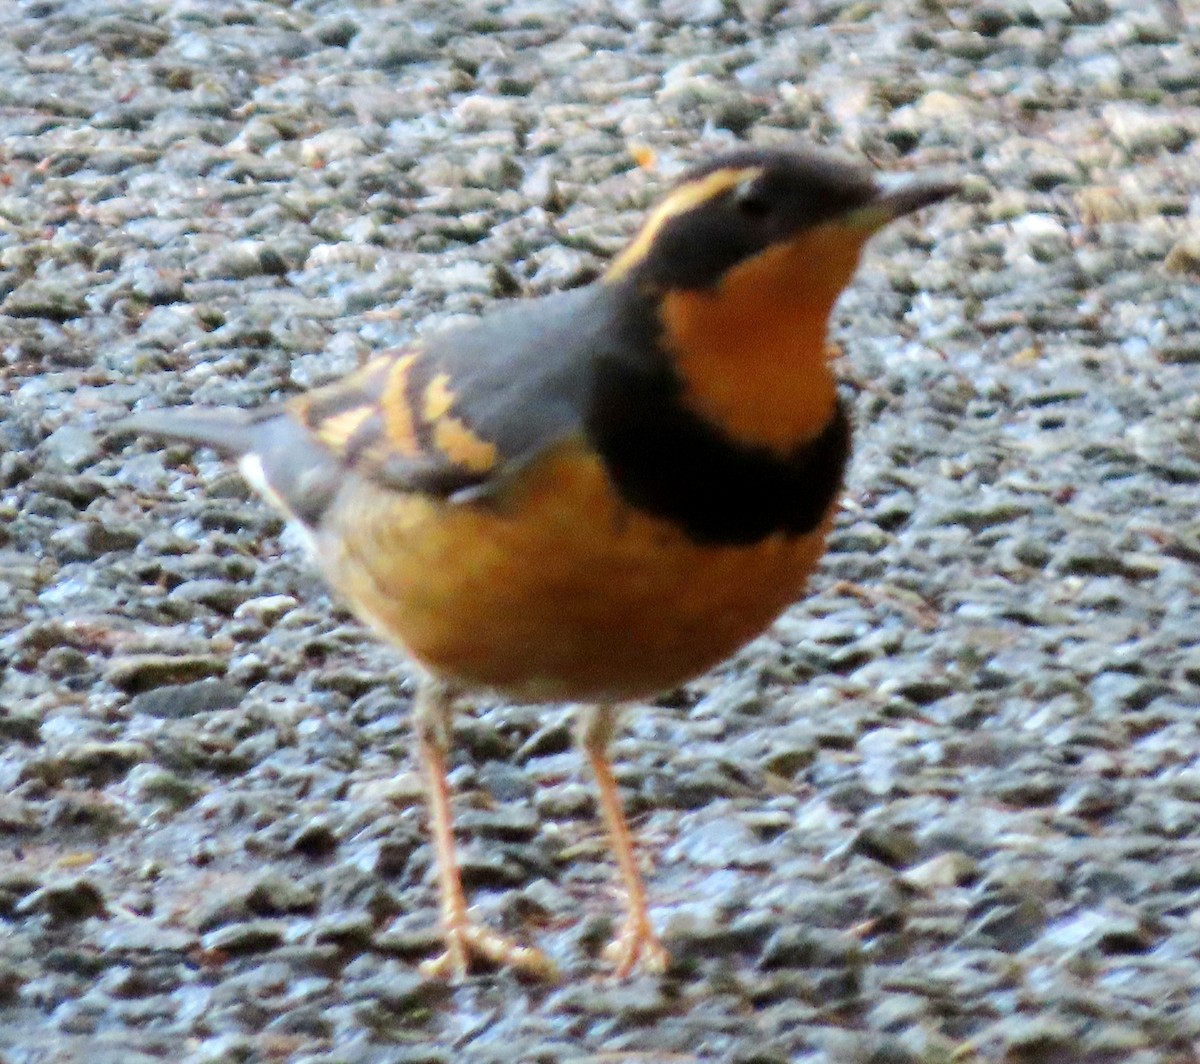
[559,591]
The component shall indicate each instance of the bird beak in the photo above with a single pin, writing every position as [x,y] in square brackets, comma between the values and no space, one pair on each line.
[897,197]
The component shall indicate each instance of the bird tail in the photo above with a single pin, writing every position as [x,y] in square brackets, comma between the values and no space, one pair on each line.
[229,430]
[277,455]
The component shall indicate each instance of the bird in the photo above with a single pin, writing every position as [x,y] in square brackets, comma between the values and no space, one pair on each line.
[591,496]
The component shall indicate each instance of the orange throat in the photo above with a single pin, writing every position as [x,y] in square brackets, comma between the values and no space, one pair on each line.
[752,351]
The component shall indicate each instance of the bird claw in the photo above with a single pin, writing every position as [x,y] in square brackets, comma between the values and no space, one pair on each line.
[637,945]
[467,941]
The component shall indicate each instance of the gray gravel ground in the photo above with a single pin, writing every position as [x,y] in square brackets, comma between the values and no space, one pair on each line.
[947,810]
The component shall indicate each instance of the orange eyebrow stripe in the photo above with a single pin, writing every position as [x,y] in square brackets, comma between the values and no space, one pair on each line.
[685,198]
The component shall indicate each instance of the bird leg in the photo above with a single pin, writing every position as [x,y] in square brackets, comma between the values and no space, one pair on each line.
[433,714]
[636,942]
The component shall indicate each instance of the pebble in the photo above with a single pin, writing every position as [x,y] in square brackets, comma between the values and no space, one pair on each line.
[953,869]
[73,447]
[250,936]
[180,701]
[63,901]
[139,673]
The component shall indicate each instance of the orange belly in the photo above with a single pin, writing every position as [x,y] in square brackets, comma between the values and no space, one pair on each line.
[558,591]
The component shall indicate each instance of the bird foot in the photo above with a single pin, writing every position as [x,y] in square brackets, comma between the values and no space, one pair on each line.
[467,941]
[637,945]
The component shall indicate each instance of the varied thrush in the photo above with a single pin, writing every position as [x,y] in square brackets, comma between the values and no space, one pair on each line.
[592,496]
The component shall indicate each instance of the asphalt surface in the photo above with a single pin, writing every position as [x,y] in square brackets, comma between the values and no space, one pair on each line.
[947,810]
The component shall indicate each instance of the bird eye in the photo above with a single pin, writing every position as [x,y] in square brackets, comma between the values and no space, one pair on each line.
[751,202]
